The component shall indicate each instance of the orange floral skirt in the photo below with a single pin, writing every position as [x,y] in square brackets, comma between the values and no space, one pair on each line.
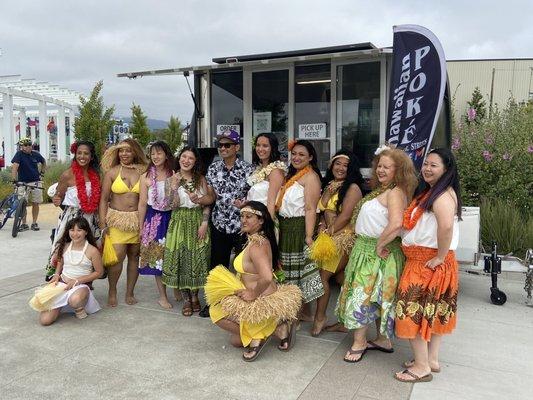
[426,298]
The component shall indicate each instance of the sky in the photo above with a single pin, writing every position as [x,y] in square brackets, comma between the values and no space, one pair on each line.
[75,44]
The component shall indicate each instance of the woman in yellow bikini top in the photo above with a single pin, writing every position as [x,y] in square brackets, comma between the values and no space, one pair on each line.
[123,165]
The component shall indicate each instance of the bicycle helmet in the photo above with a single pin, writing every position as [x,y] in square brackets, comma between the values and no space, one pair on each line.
[25,142]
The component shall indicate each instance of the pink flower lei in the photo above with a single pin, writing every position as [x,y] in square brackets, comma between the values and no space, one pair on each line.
[157,204]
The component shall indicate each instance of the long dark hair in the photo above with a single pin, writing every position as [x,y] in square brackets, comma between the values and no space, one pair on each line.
[268,230]
[314,159]
[163,146]
[450,178]
[197,164]
[353,175]
[94,163]
[65,239]
[275,155]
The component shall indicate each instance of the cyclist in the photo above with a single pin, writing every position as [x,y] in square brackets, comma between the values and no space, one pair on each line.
[25,168]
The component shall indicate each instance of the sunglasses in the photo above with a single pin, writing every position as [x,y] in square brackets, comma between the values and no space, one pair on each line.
[225,145]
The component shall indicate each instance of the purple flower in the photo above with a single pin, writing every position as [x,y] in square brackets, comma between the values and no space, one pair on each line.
[366,314]
[487,156]
[507,156]
[456,143]
[530,149]
[471,114]
[390,326]
[489,140]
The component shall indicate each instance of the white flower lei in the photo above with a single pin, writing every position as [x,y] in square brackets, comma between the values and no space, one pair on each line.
[261,173]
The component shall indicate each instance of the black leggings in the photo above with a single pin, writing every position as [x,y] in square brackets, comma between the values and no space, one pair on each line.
[221,245]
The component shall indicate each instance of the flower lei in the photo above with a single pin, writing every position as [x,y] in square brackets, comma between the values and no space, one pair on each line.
[87,205]
[409,218]
[262,173]
[370,196]
[190,186]
[158,204]
[334,186]
[289,183]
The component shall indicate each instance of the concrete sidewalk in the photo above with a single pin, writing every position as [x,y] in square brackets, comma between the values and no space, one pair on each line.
[145,352]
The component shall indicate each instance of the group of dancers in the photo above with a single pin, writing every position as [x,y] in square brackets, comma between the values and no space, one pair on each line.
[393,247]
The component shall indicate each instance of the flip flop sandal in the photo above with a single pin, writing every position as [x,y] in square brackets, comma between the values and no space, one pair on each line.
[81,314]
[353,352]
[409,364]
[196,307]
[289,340]
[416,378]
[186,311]
[379,348]
[257,350]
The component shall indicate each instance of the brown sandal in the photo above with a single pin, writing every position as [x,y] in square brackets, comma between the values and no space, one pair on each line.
[416,378]
[186,311]
[196,306]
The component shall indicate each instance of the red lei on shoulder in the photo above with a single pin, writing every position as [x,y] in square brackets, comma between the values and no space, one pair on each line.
[87,205]
[410,219]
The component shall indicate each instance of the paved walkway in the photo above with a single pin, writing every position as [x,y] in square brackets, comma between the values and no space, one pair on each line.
[144,352]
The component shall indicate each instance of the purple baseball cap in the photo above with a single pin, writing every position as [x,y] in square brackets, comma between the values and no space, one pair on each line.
[231,135]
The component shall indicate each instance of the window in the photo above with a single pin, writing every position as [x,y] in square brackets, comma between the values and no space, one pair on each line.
[226,101]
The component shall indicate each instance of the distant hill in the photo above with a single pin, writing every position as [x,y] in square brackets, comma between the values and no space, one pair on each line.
[153,124]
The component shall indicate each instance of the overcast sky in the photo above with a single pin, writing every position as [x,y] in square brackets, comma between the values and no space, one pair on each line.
[75,44]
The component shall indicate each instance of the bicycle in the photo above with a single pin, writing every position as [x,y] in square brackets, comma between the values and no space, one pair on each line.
[14,206]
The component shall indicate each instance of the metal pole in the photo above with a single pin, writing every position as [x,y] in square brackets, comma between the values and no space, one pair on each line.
[491,91]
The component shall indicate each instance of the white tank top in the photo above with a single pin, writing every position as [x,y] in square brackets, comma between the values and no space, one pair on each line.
[372,219]
[160,186]
[425,233]
[71,195]
[75,262]
[293,204]
[259,192]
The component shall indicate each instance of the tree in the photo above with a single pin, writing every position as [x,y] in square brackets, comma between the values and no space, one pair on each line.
[478,104]
[94,121]
[173,134]
[138,128]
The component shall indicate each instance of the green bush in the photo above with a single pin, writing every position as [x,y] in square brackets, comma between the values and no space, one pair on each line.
[502,222]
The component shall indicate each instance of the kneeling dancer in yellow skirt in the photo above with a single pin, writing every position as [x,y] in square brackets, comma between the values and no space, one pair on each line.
[250,305]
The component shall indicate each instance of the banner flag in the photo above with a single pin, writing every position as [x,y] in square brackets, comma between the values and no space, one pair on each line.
[418,81]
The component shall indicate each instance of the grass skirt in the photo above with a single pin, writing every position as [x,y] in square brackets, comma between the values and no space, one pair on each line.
[153,241]
[123,226]
[65,216]
[257,319]
[369,288]
[299,269]
[186,259]
[427,299]
[49,298]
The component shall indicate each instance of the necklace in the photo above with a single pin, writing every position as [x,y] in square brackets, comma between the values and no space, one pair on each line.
[69,251]
[87,205]
[370,196]
[289,183]
[158,204]
[334,186]
[409,218]
[189,186]
[261,173]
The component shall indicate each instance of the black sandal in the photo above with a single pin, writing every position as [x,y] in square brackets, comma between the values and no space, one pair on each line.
[257,350]
[289,340]
[186,311]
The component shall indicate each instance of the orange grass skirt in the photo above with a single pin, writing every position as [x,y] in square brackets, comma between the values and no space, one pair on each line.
[426,298]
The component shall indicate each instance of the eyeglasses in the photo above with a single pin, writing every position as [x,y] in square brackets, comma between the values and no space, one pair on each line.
[225,145]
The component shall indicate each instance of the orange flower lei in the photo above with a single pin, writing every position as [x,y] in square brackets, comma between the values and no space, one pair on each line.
[289,183]
[410,219]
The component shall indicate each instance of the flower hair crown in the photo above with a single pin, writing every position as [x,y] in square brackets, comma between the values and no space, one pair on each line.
[382,148]
[251,211]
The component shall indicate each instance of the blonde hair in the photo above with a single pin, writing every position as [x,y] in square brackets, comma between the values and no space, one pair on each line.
[405,176]
[111,159]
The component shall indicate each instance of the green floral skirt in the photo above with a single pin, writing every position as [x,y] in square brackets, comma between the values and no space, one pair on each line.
[369,289]
[186,260]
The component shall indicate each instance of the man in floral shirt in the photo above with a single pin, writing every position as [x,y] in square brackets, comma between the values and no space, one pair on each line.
[227,178]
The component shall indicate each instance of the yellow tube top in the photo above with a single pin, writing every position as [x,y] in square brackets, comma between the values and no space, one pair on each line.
[237,264]
[331,205]
[120,187]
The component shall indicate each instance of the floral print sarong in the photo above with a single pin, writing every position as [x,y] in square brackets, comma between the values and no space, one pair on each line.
[153,241]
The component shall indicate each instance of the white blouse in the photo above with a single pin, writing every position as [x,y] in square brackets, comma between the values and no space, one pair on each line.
[293,204]
[372,219]
[185,200]
[259,192]
[71,195]
[160,186]
[75,262]
[425,232]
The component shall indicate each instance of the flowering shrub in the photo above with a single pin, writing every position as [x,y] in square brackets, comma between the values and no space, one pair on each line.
[495,157]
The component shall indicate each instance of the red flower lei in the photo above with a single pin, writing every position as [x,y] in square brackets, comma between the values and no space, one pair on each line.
[87,205]
[410,219]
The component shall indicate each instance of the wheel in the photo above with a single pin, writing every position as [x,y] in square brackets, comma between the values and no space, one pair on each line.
[19,216]
[498,297]
[4,211]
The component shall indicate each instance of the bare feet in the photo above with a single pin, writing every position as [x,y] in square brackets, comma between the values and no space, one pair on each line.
[306,318]
[112,299]
[130,300]
[318,326]
[177,295]
[164,304]
[337,327]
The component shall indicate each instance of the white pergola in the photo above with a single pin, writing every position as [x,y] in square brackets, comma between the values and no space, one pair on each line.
[20,98]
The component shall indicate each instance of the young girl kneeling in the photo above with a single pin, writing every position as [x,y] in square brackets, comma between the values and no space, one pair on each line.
[79,262]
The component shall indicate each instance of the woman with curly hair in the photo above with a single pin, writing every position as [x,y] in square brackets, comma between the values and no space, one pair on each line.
[341,191]
[123,165]
[427,293]
[78,194]
[376,261]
